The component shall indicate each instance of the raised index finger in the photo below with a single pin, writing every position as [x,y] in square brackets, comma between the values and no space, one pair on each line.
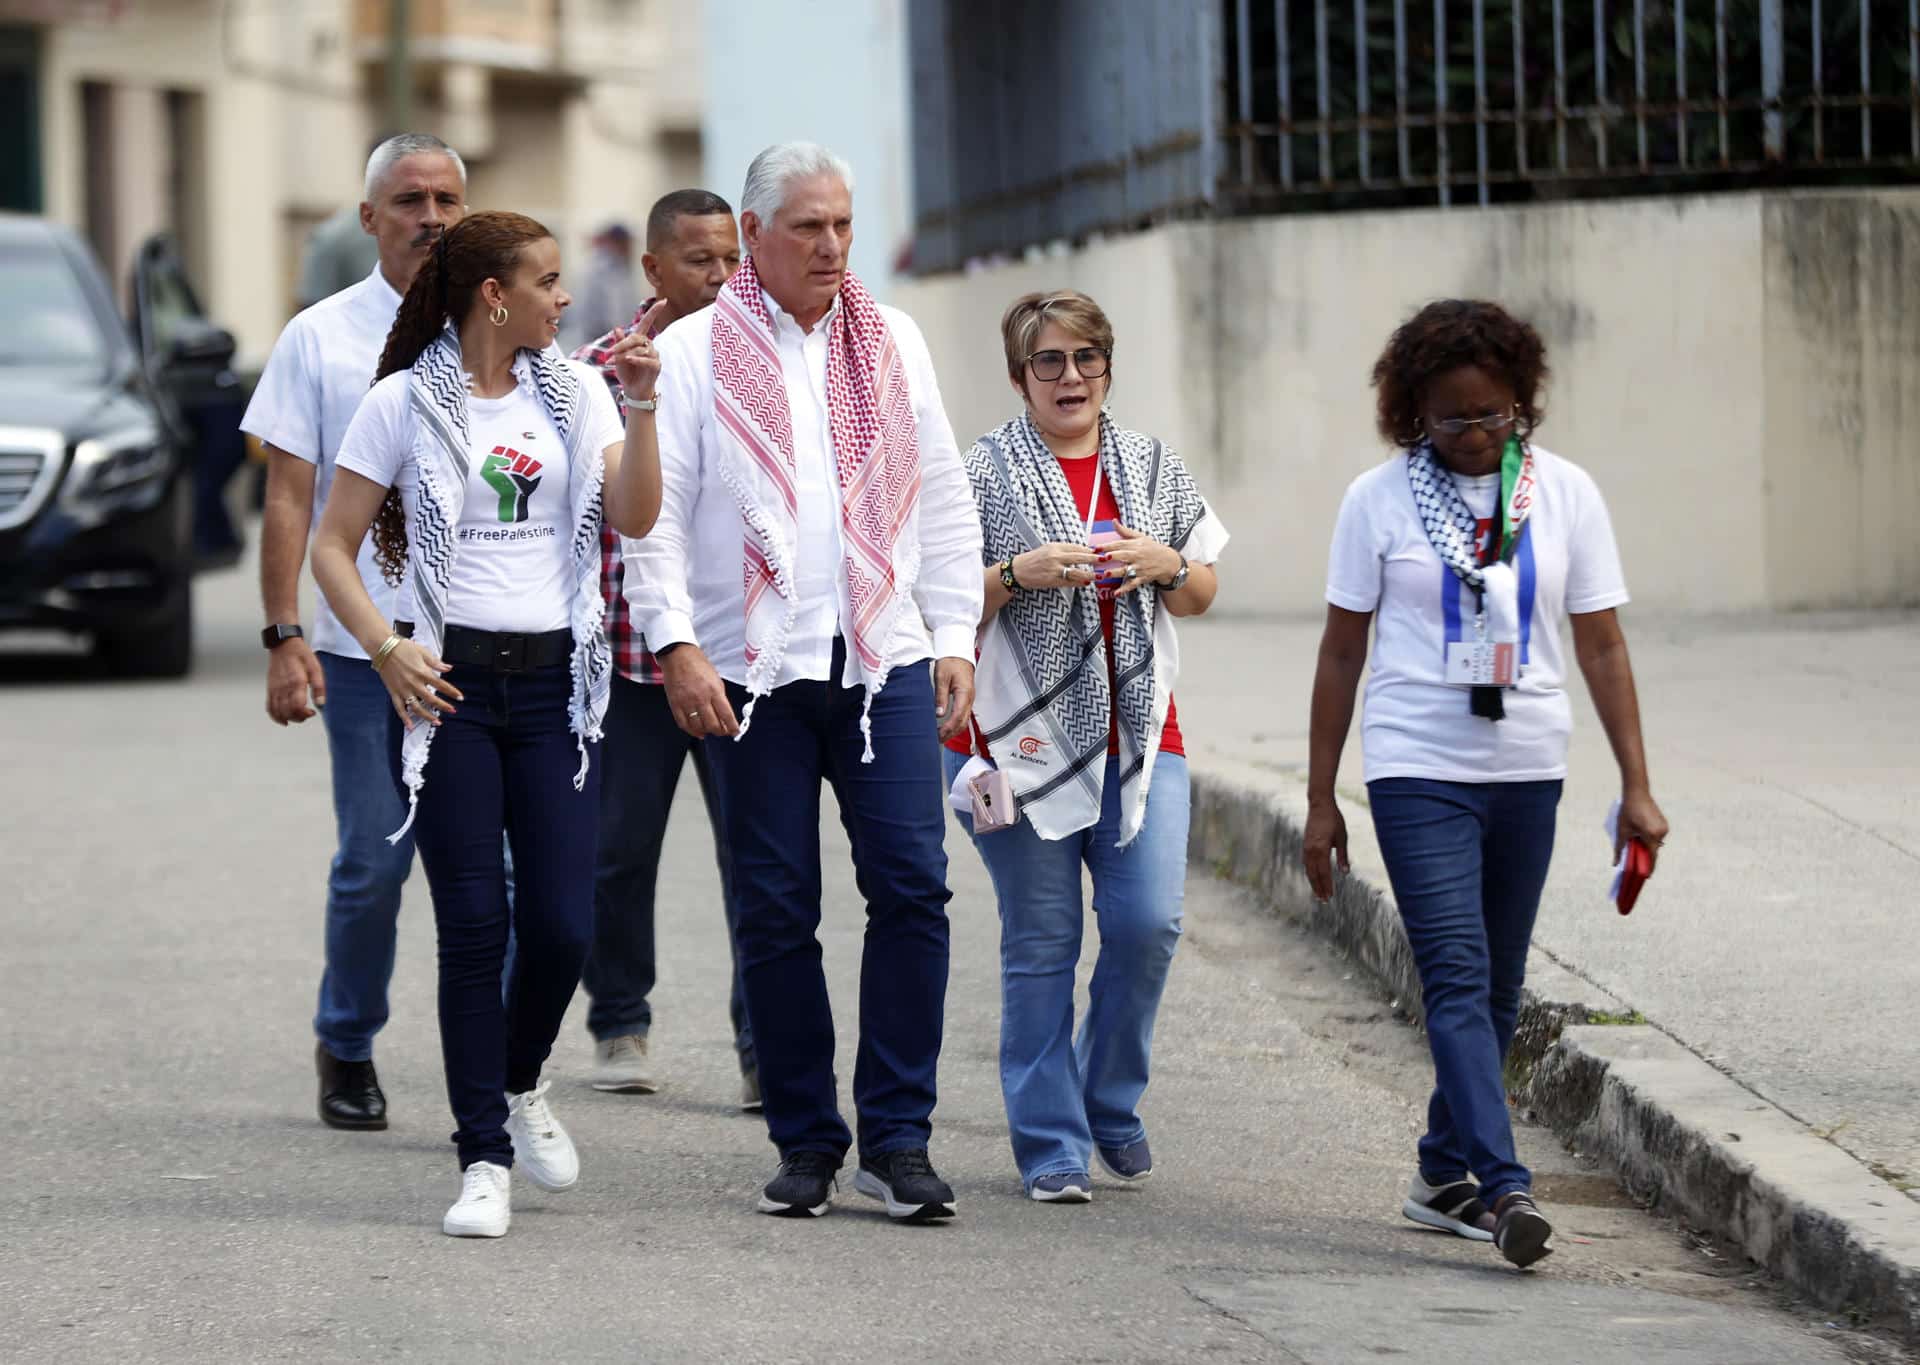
[651,319]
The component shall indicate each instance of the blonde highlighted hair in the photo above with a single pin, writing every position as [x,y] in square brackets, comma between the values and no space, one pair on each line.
[1027,316]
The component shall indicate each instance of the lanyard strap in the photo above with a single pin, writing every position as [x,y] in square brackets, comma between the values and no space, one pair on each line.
[1093,503]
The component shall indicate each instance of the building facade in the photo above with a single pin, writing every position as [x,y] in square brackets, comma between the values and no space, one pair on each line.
[238,125]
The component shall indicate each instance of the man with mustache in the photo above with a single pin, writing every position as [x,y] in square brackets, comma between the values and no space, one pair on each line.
[318,372]
[692,249]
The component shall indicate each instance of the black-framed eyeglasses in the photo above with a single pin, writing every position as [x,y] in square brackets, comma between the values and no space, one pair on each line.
[1090,361]
[1493,423]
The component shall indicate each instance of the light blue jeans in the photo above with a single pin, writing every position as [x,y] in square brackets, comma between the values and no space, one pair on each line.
[1065,1094]
[363,885]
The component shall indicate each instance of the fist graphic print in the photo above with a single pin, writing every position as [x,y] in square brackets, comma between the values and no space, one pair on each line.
[515,477]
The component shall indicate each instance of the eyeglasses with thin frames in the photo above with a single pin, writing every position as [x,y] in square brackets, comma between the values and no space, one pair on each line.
[1090,361]
[1492,424]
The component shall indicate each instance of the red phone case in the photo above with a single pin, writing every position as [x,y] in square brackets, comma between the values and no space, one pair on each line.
[1634,876]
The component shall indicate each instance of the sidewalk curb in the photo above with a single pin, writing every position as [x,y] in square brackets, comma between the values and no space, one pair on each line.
[1676,1130]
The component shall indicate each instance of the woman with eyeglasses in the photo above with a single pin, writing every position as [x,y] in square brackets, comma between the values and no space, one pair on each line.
[1468,551]
[1095,538]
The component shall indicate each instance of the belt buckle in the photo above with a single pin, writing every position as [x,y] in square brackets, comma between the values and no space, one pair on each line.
[510,653]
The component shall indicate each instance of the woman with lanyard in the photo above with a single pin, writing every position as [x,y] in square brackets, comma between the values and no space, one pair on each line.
[481,459]
[1095,537]
[1468,550]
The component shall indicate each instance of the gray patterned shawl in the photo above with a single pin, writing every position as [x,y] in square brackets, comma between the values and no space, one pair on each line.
[1044,704]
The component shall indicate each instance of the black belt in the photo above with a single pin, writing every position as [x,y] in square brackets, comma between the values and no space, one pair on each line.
[500,650]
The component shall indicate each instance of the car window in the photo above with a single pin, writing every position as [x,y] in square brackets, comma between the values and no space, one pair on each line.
[169,303]
[48,319]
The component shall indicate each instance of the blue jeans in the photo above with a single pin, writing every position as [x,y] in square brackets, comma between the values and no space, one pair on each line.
[363,885]
[1065,1094]
[1467,861]
[770,792]
[505,763]
[645,751]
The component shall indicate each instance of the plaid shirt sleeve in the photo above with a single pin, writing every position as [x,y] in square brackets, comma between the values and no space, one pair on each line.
[629,649]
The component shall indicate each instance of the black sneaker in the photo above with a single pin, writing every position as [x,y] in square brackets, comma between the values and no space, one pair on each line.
[803,1188]
[906,1182]
[1522,1235]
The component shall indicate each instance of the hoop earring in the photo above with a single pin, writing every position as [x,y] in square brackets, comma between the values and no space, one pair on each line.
[498,317]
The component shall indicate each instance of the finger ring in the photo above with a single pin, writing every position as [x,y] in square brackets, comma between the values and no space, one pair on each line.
[1133,571]
[694,714]
[1066,574]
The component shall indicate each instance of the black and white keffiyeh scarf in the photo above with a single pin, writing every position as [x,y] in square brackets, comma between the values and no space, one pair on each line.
[1043,701]
[437,392]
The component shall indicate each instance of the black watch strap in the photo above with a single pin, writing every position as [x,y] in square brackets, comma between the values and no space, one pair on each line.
[665,650]
[274,636]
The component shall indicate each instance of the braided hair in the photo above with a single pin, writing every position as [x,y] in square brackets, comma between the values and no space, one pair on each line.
[1449,335]
[481,247]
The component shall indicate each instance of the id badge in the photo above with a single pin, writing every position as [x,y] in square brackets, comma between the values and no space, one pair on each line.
[1481,663]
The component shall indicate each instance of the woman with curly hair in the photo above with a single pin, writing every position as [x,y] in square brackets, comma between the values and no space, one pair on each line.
[482,460]
[1468,550]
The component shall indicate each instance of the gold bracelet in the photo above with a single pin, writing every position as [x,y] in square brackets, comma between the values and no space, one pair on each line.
[380,655]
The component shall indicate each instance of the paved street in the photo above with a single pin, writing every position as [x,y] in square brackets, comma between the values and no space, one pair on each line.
[1777,939]
[172,1196]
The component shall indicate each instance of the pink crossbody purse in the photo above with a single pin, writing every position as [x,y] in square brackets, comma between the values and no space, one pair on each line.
[994,807]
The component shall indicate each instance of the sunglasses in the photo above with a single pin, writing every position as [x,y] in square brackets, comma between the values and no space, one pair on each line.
[1090,361]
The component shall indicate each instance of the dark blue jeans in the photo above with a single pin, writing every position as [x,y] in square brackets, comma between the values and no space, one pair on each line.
[1467,861]
[505,762]
[644,752]
[363,884]
[894,814]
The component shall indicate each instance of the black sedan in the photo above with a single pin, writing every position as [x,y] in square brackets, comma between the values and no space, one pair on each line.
[97,441]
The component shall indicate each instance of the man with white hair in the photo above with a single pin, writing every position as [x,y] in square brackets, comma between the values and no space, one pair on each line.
[816,547]
[315,377]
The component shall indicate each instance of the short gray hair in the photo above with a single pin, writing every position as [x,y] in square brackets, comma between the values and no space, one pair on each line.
[779,166]
[396,149]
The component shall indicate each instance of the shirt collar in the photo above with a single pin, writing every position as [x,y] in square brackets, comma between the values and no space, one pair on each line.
[782,317]
[383,291]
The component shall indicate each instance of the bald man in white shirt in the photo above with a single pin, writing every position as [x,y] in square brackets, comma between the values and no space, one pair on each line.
[317,374]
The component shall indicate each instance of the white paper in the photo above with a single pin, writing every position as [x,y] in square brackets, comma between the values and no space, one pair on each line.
[1612,826]
[958,796]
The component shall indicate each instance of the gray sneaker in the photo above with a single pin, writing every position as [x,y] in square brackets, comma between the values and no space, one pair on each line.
[621,1066]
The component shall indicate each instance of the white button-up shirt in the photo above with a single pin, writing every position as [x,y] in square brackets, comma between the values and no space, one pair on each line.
[318,373]
[684,581]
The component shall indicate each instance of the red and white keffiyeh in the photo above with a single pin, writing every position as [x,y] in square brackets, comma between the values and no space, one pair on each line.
[876,455]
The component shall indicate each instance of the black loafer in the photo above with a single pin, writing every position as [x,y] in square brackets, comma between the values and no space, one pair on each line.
[350,1095]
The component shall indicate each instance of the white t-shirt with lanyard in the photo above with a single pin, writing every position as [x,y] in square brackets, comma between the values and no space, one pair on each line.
[512,567]
[1415,723]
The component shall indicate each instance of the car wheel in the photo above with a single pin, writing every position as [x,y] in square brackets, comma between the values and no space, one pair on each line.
[163,651]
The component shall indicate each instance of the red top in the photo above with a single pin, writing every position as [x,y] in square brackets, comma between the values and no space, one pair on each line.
[1080,479]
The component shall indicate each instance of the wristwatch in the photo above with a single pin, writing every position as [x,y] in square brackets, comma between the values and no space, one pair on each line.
[1179,580]
[640,404]
[1007,580]
[274,636]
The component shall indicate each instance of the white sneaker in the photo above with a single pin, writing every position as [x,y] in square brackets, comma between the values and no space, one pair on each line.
[485,1206]
[541,1146]
[621,1065]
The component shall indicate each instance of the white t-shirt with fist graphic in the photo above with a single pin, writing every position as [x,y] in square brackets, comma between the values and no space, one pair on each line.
[512,569]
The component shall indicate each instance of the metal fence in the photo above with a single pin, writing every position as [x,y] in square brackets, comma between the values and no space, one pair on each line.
[1038,122]
[1512,98]
[1042,122]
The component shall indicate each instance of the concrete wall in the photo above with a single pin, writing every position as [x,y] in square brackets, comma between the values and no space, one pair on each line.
[1741,373]
[829,71]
